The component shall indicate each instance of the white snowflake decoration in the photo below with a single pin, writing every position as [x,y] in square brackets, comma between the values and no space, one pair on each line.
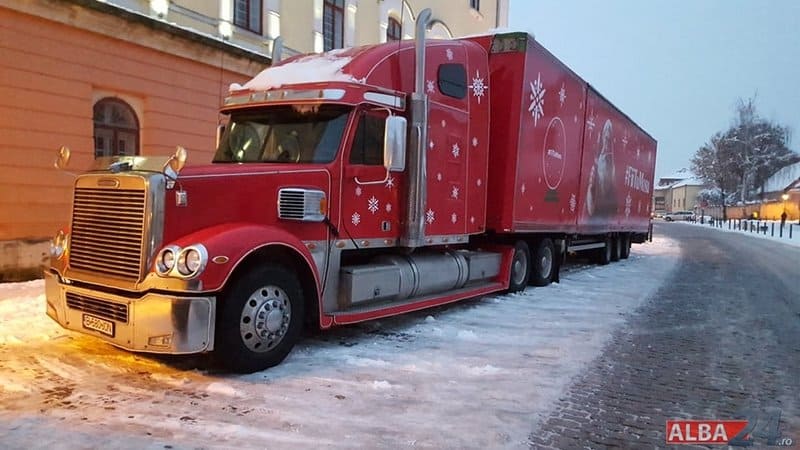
[430,86]
[372,204]
[456,151]
[590,122]
[639,207]
[358,191]
[388,207]
[472,219]
[390,182]
[625,140]
[628,205]
[522,188]
[537,99]
[454,218]
[356,218]
[530,208]
[562,94]
[430,216]
[575,118]
[478,86]
[479,182]
[638,152]
[439,176]
[449,54]
[454,192]
[573,203]
[430,144]
[474,142]
[444,123]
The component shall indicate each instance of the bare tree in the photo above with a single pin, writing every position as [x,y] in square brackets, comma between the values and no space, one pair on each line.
[713,163]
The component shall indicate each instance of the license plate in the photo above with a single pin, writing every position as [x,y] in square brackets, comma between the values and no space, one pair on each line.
[97,324]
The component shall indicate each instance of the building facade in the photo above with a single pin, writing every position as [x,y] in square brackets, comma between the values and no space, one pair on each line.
[139,77]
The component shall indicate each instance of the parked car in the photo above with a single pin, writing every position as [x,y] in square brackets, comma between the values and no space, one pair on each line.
[679,215]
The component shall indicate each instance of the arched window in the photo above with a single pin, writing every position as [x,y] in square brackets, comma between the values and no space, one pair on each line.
[394,31]
[116,128]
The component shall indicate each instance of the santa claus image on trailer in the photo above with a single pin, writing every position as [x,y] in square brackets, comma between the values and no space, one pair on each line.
[601,197]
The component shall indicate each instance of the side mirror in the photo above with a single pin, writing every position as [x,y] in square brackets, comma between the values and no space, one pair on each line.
[394,144]
[176,162]
[62,159]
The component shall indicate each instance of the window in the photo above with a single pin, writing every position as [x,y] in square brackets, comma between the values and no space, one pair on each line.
[116,128]
[453,80]
[394,31]
[333,24]
[368,141]
[247,15]
[284,134]
[475,4]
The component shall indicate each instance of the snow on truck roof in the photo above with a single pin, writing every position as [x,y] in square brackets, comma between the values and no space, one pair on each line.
[304,69]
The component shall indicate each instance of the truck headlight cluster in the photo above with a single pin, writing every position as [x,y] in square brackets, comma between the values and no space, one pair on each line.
[187,262]
[59,244]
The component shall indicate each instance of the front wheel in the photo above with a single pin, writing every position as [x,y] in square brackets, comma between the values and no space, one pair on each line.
[543,263]
[259,320]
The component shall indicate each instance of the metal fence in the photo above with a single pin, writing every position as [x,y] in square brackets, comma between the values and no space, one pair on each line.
[772,228]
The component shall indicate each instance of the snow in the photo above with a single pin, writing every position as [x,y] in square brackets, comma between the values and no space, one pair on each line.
[689,182]
[475,374]
[307,69]
[783,178]
[794,241]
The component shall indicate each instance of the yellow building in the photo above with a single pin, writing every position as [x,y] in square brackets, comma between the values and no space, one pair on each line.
[308,26]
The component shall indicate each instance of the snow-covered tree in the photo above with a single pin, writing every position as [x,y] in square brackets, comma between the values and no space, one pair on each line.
[740,159]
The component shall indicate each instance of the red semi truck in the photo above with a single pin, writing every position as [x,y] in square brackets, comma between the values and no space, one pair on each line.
[353,185]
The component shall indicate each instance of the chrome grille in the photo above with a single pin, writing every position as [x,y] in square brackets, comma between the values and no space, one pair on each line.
[291,204]
[100,308]
[107,228]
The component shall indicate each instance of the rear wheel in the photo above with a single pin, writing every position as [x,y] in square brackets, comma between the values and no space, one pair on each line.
[616,248]
[520,267]
[626,246]
[603,255]
[543,264]
[259,320]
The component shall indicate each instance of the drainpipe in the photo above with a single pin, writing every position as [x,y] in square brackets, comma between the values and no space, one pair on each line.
[414,235]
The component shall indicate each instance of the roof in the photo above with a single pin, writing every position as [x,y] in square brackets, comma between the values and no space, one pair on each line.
[783,179]
[689,182]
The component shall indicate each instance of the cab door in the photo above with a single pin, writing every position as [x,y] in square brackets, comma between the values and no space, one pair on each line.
[371,207]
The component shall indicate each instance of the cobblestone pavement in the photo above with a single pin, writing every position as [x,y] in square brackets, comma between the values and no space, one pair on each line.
[721,337]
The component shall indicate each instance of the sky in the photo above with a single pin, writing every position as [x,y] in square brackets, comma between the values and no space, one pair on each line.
[677,68]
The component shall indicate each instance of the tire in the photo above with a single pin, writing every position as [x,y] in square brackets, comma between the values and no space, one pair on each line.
[543,264]
[259,319]
[616,249]
[520,271]
[668,219]
[626,246]
[603,255]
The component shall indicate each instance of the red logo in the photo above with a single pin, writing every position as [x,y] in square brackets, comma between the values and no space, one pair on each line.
[703,431]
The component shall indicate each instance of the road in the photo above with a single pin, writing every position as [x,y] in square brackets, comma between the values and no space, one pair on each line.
[721,337]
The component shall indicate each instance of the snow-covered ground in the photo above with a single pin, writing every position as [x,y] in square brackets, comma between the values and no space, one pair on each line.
[794,240]
[471,375]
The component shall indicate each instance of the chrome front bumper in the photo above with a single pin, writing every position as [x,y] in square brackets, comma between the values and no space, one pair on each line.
[156,323]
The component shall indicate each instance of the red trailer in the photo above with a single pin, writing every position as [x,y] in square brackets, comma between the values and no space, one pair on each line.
[349,186]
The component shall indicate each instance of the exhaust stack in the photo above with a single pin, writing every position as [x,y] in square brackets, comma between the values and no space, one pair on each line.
[414,235]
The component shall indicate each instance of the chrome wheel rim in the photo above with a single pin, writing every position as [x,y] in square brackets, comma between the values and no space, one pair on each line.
[519,268]
[265,318]
[546,262]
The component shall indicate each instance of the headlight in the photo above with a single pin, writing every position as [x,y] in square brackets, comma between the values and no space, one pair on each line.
[165,260]
[58,245]
[192,260]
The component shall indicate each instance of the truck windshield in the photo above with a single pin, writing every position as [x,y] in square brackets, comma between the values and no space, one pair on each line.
[284,134]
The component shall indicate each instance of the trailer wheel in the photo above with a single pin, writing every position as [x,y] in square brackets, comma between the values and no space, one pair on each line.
[626,246]
[544,263]
[616,248]
[603,255]
[259,320]
[520,267]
